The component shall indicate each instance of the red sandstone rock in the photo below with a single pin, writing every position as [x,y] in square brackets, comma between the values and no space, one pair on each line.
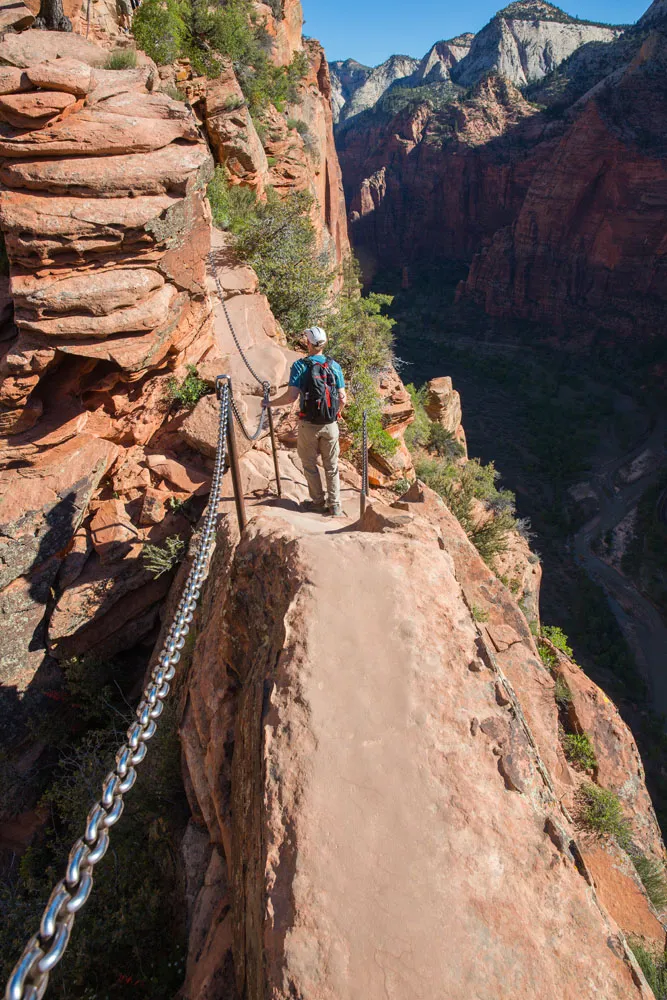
[232,132]
[97,293]
[114,247]
[31,48]
[13,80]
[96,132]
[32,110]
[416,716]
[172,172]
[183,477]
[68,75]
[152,509]
[112,531]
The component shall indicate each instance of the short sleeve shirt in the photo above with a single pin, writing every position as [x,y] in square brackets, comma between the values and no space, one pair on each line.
[300,367]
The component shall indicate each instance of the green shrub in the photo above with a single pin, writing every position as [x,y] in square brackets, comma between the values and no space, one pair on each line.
[652,876]
[188,392]
[557,637]
[579,751]
[562,693]
[361,340]
[460,487]
[547,655]
[443,442]
[160,30]
[479,615]
[600,811]
[159,559]
[231,204]
[278,240]
[653,965]
[170,29]
[401,486]
[418,433]
[122,59]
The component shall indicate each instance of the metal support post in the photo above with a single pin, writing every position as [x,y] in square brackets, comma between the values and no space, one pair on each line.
[274,447]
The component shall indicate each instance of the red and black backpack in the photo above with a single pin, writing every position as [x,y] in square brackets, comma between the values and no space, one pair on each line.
[320,399]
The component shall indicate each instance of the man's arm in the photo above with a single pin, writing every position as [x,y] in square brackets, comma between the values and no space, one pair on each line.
[342,395]
[290,396]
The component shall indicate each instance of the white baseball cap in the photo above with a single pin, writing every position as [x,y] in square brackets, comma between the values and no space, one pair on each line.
[316,335]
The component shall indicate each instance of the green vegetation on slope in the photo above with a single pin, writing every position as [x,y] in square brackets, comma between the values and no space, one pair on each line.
[175,29]
[278,240]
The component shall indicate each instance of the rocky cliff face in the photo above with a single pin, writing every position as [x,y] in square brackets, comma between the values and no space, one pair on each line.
[106,303]
[526,41]
[523,43]
[358,88]
[105,228]
[558,209]
[588,239]
[436,181]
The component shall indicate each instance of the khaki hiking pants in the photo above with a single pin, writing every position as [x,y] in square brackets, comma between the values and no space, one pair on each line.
[314,440]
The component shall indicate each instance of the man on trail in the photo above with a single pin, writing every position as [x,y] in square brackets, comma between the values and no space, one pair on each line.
[319,382]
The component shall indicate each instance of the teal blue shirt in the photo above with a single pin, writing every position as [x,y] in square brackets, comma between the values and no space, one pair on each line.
[300,367]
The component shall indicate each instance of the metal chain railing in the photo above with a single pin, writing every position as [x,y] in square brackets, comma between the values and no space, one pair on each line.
[30,977]
[221,296]
[266,386]
[262,418]
[365,489]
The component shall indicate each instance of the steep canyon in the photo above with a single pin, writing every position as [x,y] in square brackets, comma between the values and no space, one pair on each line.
[368,780]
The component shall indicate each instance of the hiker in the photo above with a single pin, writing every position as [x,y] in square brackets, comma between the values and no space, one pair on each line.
[319,382]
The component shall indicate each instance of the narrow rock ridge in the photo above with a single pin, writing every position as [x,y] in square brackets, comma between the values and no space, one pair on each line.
[298,757]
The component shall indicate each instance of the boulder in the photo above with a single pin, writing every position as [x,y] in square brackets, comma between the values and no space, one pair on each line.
[183,477]
[153,507]
[32,110]
[31,48]
[13,80]
[15,16]
[69,75]
[112,532]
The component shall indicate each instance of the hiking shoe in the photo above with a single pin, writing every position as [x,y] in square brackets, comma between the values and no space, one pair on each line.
[312,507]
[336,511]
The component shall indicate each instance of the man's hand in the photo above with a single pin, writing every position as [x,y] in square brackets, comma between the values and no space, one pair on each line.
[288,397]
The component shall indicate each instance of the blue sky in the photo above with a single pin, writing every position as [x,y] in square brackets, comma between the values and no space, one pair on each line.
[372,30]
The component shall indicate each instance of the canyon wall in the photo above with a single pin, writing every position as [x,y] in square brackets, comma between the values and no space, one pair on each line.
[104,307]
[588,239]
[559,208]
[106,229]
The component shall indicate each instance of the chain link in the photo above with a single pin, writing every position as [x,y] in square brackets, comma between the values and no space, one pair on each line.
[262,417]
[30,977]
[221,296]
[364,455]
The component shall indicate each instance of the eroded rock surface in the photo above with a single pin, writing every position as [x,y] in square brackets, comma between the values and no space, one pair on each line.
[312,794]
[106,245]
